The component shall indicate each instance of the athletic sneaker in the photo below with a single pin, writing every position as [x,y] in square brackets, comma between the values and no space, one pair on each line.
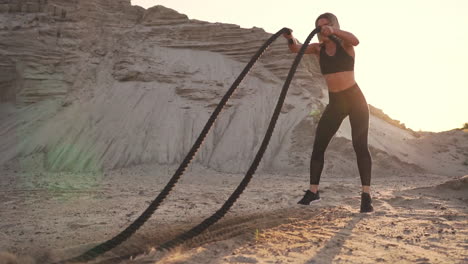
[366,203]
[309,197]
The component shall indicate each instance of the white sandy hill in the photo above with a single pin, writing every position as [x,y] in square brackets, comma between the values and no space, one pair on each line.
[105,85]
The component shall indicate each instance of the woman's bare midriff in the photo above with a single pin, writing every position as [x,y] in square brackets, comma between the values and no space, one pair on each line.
[339,81]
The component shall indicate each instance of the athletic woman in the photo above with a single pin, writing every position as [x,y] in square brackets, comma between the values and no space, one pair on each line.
[336,58]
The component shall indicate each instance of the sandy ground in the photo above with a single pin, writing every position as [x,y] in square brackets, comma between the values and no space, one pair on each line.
[50,216]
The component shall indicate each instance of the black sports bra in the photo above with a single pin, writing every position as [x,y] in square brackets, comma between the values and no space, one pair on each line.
[339,62]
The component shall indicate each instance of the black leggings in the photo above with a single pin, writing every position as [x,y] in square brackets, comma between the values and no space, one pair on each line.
[347,102]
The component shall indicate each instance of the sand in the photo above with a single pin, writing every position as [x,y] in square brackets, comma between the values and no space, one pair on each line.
[418,218]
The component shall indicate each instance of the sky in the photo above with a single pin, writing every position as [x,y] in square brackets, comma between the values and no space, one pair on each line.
[412,60]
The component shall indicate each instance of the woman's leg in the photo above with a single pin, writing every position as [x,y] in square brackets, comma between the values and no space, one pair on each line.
[327,126]
[359,119]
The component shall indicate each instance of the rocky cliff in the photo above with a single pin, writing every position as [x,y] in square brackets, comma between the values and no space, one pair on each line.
[101,84]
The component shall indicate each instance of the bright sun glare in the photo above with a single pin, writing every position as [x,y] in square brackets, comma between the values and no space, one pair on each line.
[409,62]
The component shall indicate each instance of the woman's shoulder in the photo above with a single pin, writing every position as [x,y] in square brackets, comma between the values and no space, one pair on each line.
[317,46]
[313,48]
[348,48]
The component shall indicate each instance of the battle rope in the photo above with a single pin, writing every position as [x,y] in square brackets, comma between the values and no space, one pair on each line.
[236,194]
[132,228]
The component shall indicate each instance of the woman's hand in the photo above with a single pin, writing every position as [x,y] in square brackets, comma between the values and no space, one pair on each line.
[288,35]
[327,31]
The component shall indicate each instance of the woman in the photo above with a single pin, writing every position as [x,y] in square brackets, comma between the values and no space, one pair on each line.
[336,58]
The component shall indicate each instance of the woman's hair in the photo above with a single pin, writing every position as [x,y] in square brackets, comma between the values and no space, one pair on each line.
[331,18]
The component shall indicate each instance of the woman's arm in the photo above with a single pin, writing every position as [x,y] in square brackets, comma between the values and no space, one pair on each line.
[294,46]
[346,36]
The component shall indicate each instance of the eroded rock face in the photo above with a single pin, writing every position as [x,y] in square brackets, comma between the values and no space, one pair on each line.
[8,79]
[101,84]
[47,42]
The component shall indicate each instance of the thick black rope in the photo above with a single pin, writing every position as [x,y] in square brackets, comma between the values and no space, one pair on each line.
[132,228]
[236,194]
